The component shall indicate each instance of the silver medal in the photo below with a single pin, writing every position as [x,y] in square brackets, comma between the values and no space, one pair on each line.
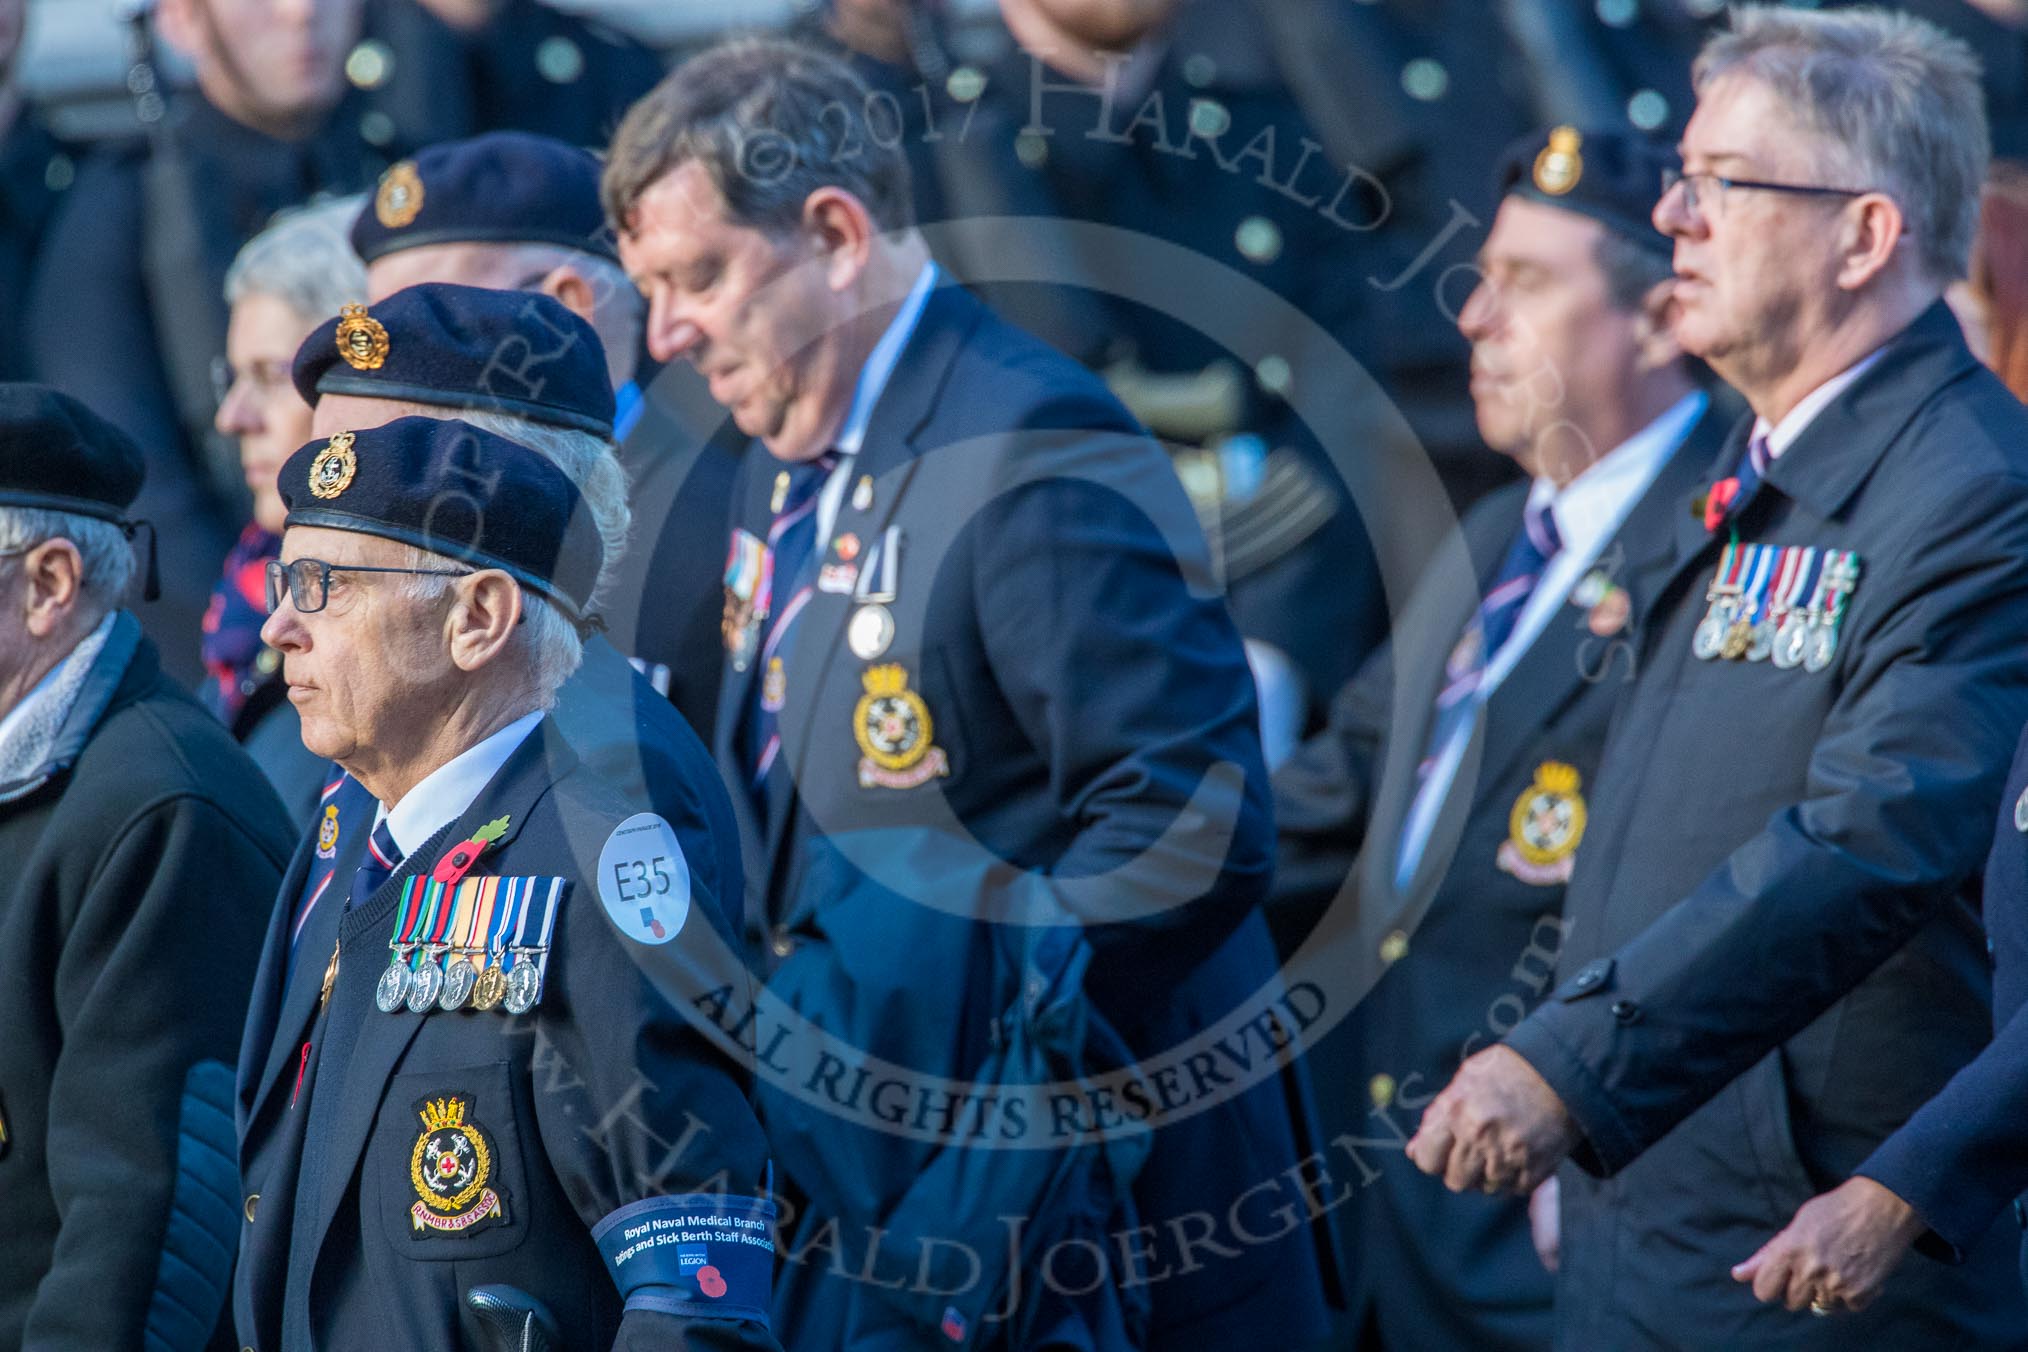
[459,978]
[524,985]
[869,633]
[1791,640]
[1823,644]
[1761,645]
[1710,637]
[2021,811]
[393,987]
[427,984]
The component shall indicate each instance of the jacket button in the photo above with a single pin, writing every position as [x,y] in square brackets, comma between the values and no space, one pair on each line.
[1626,1011]
[781,943]
[253,1201]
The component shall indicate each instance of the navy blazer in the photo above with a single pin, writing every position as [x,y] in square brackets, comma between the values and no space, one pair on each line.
[609,1092]
[1084,753]
[1773,954]
[1456,959]
[1964,1156]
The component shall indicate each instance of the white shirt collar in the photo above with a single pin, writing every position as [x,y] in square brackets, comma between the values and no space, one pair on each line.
[445,792]
[880,363]
[1782,435]
[873,378]
[1591,506]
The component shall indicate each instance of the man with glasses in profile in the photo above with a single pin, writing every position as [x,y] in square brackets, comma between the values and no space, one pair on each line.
[1774,952]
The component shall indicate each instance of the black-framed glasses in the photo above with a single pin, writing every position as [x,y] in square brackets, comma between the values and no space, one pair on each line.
[308,581]
[1696,185]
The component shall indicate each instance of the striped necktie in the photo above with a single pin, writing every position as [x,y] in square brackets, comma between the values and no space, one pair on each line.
[344,805]
[1492,624]
[383,857]
[792,540]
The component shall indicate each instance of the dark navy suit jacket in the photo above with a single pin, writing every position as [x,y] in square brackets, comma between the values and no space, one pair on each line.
[1482,928]
[1087,700]
[1962,1158]
[610,1091]
[1774,954]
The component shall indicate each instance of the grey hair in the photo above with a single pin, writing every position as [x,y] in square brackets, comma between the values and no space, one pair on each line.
[769,121]
[304,259]
[588,460]
[550,644]
[1896,99]
[108,558]
[618,308]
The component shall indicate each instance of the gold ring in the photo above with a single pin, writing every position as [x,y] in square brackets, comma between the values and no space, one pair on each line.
[1818,1307]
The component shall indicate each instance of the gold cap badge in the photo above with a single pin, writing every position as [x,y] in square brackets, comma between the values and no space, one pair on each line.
[1559,166]
[400,198]
[362,339]
[331,472]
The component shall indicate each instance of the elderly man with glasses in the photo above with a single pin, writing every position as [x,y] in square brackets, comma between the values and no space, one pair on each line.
[1774,952]
[138,849]
[472,1083]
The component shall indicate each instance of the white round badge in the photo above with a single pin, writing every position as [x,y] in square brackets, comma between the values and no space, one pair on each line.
[644,880]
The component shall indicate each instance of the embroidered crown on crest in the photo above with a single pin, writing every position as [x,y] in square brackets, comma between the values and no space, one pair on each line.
[1556,777]
[440,1113]
[886,679]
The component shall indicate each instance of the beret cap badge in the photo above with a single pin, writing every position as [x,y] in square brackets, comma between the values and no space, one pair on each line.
[331,472]
[399,199]
[1559,167]
[362,339]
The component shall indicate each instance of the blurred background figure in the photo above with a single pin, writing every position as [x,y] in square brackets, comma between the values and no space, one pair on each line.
[436,69]
[288,279]
[35,168]
[128,313]
[1992,303]
[1295,151]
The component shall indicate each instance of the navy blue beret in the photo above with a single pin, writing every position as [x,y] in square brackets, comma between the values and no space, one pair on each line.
[506,187]
[449,488]
[58,455]
[516,352]
[1614,177]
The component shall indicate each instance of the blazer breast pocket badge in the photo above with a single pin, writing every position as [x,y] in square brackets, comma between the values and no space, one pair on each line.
[453,1172]
[1783,604]
[894,730]
[1545,827]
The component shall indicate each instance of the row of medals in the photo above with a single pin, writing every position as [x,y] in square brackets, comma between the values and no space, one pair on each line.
[457,984]
[1802,638]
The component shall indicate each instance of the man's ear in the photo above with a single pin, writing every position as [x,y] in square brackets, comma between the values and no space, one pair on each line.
[843,230]
[52,576]
[571,289]
[181,26]
[1655,345]
[1871,229]
[485,608]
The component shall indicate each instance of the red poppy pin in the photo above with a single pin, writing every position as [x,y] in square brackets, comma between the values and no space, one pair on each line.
[1719,501]
[458,860]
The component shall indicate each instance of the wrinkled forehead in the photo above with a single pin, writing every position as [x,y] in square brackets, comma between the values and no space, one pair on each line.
[1743,126]
[337,413]
[338,546]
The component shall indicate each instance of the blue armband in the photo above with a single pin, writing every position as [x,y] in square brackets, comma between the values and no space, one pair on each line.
[699,1254]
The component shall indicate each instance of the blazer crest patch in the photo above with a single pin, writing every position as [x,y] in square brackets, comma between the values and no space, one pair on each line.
[1545,827]
[452,1171]
[894,730]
